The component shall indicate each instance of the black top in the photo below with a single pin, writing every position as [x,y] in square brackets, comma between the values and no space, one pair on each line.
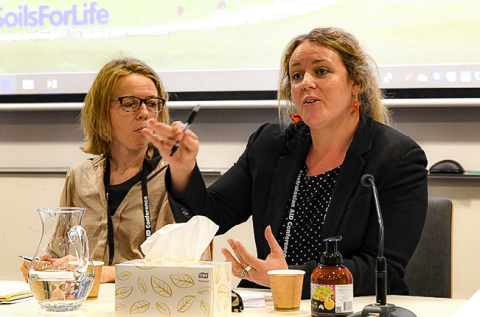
[301,232]
[118,192]
[260,184]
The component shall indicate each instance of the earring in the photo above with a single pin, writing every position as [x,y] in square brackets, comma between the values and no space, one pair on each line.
[356,106]
[296,117]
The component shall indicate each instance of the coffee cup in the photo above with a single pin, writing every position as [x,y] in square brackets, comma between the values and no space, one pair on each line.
[97,265]
[286,288]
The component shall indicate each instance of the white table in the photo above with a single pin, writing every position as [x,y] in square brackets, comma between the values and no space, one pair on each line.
[421,306]
[104,306]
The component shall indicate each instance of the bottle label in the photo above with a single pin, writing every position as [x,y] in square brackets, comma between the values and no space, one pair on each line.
[332,299]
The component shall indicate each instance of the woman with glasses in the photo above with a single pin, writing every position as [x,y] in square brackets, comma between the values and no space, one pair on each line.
[122,187]
[300,180]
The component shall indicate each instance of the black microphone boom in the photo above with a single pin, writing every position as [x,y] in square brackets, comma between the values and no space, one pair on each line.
[367,180]
[380,308]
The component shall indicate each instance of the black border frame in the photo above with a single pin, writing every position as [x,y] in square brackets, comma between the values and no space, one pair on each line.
[413,93]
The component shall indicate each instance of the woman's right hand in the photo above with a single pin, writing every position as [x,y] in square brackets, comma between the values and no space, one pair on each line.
[164,137]
[45,263]
[24,269]
[182,162]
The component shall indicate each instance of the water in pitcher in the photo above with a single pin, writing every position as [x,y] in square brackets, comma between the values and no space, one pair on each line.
[59,290]
[57,285]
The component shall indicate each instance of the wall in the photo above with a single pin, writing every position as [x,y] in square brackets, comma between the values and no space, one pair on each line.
[453,133]
[52,139]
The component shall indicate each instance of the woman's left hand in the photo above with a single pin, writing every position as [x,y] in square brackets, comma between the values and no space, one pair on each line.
[257,268]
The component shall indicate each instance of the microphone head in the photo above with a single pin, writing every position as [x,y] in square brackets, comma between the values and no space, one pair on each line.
[366,180]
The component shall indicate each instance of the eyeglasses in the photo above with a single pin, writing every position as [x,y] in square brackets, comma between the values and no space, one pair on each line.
[132,103]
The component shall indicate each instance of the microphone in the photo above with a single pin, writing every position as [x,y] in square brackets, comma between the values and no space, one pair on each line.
[380,308]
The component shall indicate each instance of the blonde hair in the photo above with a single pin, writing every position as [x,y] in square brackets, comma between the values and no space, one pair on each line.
[95,116]
[357,63]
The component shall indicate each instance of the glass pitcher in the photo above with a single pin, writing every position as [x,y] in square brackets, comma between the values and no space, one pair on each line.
[58,274]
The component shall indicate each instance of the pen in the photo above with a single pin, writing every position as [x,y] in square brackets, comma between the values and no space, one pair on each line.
[26,258]
[187,125]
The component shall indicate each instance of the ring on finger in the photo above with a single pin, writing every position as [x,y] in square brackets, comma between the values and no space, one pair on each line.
[248,268]
[243,273]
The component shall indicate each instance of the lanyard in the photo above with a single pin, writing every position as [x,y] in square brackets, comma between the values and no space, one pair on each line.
[291,212]
[145,204]
[291,215]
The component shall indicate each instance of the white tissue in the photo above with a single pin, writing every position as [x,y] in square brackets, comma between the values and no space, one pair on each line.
[180,242]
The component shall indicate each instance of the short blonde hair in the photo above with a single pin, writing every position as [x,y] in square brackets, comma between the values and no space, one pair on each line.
[359,66]
[95,116]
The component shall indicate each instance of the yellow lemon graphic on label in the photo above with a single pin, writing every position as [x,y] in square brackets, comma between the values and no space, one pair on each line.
[322,292]
[329,304]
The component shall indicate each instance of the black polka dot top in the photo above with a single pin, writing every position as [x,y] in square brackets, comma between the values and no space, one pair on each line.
[301,231]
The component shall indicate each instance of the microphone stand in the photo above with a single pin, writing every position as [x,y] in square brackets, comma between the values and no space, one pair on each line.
[380,308]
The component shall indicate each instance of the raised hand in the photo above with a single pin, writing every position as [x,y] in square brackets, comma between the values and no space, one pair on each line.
[247,266]
[182,163]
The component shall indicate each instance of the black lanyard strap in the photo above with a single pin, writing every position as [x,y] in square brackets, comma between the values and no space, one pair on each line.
[145,204]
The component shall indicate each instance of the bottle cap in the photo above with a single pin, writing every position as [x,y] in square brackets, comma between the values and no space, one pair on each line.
[331,256]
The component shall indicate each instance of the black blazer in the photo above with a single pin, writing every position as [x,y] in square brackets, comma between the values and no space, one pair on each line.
[262,181]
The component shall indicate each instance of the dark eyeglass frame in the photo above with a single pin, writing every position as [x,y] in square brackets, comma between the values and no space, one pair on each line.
[142,100]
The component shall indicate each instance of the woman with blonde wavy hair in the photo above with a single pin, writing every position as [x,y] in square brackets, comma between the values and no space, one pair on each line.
[126,167]
[359,65]
[301,182]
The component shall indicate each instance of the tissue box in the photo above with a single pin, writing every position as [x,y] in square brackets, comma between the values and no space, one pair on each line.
[200,289]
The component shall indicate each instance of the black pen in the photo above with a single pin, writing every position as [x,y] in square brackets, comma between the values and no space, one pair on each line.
[187,125]
[26,258]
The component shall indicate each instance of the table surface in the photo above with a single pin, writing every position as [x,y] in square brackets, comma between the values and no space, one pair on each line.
[104,306]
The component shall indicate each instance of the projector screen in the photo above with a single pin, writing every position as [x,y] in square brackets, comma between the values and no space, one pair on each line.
[57,46]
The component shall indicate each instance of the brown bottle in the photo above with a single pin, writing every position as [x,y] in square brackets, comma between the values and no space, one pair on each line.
[331,284]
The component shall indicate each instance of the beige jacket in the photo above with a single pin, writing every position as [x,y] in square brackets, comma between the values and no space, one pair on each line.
[84,188]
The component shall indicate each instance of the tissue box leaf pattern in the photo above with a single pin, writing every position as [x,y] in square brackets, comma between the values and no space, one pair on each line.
[205,290]
[123,292]
[124,276]
[227,273]
[161,288]
[144,267]
[201,289]
[182,281]
[163,309]
[205,308]
[185,303]
[140,307]
[141,285]
[218,275]
[223,292]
